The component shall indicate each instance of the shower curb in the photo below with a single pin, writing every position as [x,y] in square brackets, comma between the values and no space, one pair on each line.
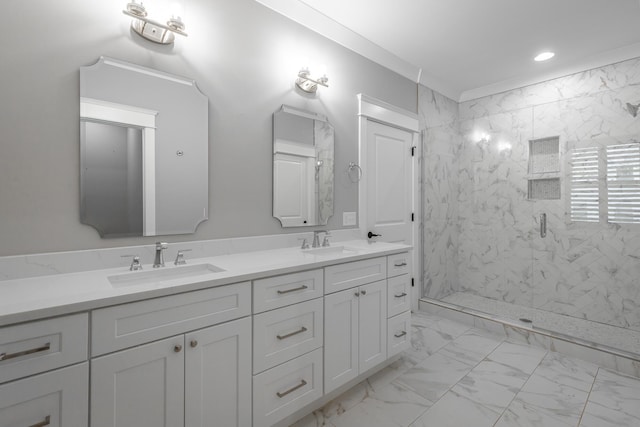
[526,333]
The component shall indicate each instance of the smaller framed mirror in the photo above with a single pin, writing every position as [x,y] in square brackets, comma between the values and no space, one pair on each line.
[303,167]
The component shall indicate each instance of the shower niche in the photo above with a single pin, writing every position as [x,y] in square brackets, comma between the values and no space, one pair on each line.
[544,169]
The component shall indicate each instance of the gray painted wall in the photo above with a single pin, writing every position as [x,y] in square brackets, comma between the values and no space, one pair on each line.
[244,58]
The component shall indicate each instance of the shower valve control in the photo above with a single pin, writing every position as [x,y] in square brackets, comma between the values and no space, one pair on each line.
[543,225]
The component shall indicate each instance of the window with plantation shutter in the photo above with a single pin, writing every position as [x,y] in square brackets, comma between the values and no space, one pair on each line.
[623,183]
[584,194]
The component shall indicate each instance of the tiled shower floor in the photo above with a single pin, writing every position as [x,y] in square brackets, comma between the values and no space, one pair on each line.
[457,375]
[624,340]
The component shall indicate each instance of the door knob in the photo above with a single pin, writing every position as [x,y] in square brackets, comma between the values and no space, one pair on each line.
[370,235]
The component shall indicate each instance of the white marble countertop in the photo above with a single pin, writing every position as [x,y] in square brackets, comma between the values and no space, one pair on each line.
[46,296]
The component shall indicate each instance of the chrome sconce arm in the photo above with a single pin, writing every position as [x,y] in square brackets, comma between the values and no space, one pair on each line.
[153,30]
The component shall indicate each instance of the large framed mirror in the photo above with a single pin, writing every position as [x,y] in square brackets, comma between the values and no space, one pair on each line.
[303,167]
[144,151]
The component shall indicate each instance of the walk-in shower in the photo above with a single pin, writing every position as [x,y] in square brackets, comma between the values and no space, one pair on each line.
[557,244]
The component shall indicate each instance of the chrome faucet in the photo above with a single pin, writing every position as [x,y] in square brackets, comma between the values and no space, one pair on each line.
[159,261]
[316,239]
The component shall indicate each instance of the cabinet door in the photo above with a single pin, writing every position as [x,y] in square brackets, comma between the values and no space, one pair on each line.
[141,387]
[340,338]
[218,375]
[54,399]
[372,321]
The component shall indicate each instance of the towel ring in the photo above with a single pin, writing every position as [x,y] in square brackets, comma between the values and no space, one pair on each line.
[353,166]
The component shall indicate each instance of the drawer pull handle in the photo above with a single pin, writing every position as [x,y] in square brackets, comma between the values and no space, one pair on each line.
[46,422]
[402,264]
[301,288]
[401,334]
[299,331]
[7,356]
[402,295]
[292,389]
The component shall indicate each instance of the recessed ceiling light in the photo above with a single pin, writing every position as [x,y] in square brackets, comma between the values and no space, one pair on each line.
[544,56]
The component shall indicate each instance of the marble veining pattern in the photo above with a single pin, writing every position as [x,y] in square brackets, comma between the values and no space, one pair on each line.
[480,231]
[481,379]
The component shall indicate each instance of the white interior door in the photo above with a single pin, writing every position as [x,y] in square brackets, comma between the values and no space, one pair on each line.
[389,183]
[388,193]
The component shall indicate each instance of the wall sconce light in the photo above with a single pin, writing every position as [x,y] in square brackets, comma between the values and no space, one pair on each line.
[309,84]
[504,146]
[482,137]
[153,30]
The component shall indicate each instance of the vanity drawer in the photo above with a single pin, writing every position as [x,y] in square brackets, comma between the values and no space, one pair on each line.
[286,333]
[281,391]
[398,264]
[56,399]
[344,276]
[399,333]
[276,292]
[127,325]
[35,347]
[398,295]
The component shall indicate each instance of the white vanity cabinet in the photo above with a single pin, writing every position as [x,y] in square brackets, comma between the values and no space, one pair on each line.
[366,323]
[399,304]
[196,378]
[355,321]
[55,350]
[287,344]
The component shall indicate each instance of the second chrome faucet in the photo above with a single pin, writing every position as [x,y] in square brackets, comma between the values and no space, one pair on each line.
[159,259]
[316,238]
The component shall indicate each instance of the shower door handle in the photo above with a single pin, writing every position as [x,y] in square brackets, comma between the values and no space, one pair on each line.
[543,225]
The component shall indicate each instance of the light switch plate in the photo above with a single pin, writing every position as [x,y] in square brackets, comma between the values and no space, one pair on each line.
[348,218]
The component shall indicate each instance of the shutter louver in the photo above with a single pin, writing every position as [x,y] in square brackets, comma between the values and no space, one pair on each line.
[584,185]
[623,183]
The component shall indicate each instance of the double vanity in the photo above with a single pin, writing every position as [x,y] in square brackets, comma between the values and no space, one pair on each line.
[245,339]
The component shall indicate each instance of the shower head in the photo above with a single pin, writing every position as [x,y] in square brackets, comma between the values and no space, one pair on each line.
[633,109]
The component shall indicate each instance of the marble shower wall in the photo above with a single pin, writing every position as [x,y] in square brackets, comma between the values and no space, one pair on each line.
[440,149]
[481,233]
[584,270]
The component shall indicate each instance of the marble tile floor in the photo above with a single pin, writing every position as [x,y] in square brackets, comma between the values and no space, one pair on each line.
[456,375]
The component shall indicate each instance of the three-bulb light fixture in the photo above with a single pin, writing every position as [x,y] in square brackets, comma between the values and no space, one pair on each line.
[153,30]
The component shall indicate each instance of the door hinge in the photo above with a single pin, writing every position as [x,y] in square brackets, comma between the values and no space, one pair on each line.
[413,217]
[413,282]
[413,151]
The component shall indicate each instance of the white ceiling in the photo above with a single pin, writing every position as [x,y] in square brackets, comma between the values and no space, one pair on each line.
[471,48]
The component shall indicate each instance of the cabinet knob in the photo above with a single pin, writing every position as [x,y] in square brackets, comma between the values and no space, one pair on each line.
[177,348]
[193,343]
[363,292]
[357,294]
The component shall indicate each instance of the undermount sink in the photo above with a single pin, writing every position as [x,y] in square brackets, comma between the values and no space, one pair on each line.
[331,250]
[163,274]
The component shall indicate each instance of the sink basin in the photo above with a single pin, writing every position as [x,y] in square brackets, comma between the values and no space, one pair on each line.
[162,274]
[331,250]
